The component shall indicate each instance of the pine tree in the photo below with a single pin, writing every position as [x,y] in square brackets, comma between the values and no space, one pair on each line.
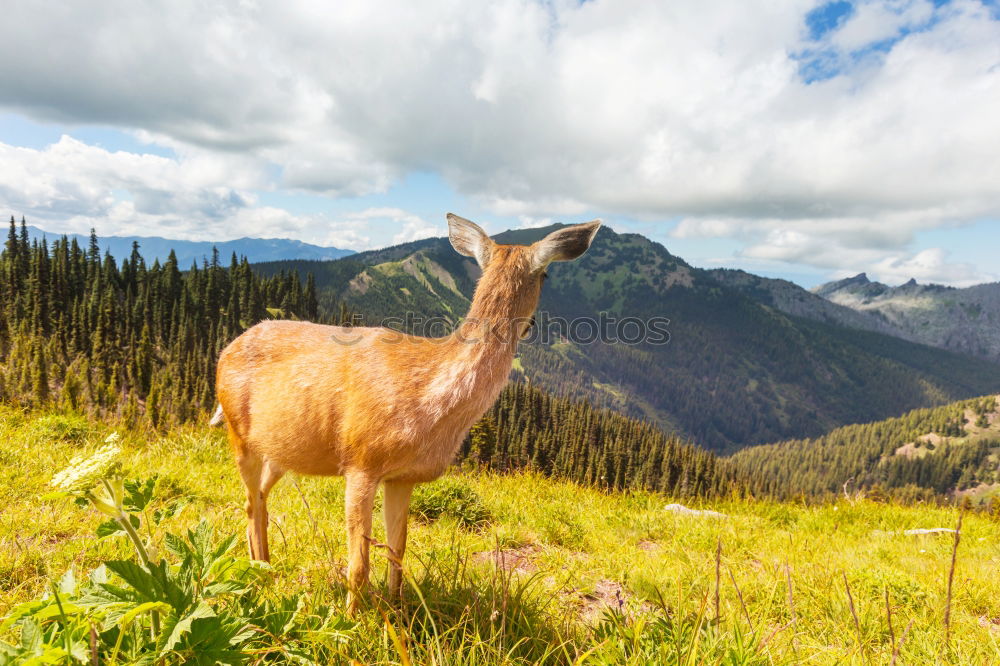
[133,341]
[39,377]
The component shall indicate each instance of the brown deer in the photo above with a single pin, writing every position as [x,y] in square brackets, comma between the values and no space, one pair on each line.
[375,405]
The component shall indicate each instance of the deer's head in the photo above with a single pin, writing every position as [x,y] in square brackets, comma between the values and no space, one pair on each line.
[508,291]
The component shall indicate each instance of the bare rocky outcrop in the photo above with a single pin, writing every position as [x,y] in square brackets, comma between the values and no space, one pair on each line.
[680,508]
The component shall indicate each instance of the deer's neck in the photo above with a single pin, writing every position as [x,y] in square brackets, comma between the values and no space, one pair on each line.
[476,360]
[491,322]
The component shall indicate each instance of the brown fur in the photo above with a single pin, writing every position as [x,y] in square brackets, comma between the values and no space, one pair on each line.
[375,405]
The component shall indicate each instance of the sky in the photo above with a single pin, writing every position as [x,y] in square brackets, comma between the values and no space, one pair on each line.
[793,138]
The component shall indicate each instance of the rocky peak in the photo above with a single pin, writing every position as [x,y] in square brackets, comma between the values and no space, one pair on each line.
[857,284]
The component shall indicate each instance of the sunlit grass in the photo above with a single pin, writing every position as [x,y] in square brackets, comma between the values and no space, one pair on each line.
[581,555]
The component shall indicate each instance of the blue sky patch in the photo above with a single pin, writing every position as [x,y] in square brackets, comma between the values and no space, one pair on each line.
[828,17]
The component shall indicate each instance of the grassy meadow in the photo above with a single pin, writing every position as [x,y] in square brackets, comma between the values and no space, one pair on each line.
[501,569]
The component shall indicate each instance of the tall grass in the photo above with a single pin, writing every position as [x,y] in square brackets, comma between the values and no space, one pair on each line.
[600,578]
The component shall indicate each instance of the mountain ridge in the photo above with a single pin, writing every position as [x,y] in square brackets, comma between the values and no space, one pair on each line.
[737,370]
[965,320]
[158,248]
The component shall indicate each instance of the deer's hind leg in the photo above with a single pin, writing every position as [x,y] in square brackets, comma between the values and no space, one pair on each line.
[269,476]
[258,476]
[251,468]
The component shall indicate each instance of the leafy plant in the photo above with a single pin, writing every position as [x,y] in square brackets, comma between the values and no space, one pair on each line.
[452,497]
[204,605]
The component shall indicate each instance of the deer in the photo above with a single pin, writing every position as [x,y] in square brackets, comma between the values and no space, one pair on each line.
[375,405]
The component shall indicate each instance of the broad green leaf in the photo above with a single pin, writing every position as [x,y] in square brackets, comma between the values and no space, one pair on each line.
[106,593]
[54,610]
[223,588]
[149,606]
[99,575]
[176,545]
[109,528]
[22,610]
[137,577]
[138,494]
[67,584]
[183,626]
[31,636]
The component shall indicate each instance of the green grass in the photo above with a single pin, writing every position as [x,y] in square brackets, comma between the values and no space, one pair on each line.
[592,577]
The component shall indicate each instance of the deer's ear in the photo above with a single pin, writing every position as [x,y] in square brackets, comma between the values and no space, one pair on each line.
[469,239]
[564,244]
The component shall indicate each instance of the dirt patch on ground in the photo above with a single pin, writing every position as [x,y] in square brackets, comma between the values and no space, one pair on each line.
[932,437]
[982,490]
[911,449]
[649,546]
[991,623]
[971,419]
[521,560]
[607,594]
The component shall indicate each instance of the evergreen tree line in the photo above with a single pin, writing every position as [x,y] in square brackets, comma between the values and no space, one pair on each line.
[921,455]
[126,341]
[529,428]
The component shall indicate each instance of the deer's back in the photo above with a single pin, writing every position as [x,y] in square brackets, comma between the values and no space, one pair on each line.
[319,399]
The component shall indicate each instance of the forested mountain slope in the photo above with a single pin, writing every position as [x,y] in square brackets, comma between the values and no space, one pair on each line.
[792,299]
[736,370]
[923,452]
[529,428]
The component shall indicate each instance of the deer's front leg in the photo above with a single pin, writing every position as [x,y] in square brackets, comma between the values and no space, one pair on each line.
[360,496]
[396,507]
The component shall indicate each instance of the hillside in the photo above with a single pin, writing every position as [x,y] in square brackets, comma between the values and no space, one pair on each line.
[792,299]
[156,248]
[503,570]
[924,453]
[737,369]
[963,320]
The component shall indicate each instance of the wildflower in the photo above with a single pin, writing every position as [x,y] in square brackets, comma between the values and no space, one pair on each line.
[85,472]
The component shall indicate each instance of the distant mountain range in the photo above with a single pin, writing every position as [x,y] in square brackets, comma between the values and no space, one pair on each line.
[964,320]
[750,360]
[188,252]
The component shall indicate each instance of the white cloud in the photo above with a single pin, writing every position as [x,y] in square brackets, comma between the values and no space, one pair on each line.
[71,178]
[529,222]
[930,265]
[407,226]
[874,21]
[843,247]
[684,109]
[71,187]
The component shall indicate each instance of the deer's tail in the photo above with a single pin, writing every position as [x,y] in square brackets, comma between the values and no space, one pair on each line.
[218,418]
